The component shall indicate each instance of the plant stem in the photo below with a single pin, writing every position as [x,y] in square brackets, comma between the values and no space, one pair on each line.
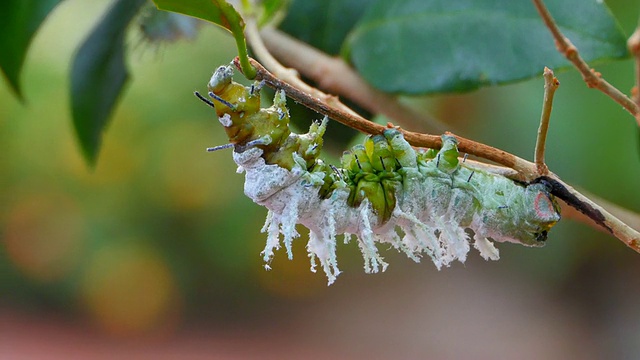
[592,78]
[551,83]
[527,171]
[597,213]
[357,122]
[236,25]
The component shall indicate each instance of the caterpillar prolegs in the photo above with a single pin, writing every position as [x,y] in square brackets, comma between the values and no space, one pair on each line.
[419,201]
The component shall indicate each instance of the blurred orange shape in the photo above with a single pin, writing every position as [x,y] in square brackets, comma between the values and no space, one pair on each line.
[45,236]
[129,290]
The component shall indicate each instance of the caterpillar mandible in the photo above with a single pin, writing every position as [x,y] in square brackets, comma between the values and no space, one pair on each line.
[420,202]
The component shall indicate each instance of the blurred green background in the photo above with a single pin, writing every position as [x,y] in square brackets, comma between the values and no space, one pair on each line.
[156,252]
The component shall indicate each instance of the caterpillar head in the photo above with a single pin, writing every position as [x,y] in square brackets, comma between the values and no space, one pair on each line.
[526,219]
[544,210]
[233,102]
[248,125]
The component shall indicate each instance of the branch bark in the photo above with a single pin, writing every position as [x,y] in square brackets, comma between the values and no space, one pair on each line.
[527,171]
[551,84]
[316,101]
[592,78]
[336,76]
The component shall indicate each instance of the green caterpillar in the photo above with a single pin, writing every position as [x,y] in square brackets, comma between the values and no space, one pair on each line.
[386,191]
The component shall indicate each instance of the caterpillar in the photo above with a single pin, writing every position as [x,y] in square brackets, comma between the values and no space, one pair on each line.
[421,201]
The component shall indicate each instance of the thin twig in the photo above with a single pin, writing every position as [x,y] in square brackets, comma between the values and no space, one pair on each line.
[592,78]
[551,83]
[625,215]
[602,217]
[527,171]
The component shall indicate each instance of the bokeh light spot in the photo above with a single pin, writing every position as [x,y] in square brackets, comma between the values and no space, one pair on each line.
[44,235]
[129,290]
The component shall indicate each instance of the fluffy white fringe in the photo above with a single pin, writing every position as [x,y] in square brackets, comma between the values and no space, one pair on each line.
[417,226]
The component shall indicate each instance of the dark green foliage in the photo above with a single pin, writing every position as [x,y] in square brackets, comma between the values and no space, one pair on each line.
[98,75]
[434,46]
[19,21]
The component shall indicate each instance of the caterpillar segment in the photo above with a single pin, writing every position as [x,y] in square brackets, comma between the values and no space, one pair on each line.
[421,202]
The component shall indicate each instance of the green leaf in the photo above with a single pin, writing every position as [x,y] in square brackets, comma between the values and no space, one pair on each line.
[209,10]
[326,32]
[270,9]
[428,46]
[19,21]
[98,75]
[218,12]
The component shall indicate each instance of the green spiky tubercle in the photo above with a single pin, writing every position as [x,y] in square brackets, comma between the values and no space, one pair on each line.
[370,172]
[248,125]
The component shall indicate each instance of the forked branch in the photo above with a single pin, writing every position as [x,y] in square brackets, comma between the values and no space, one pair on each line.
[524,170]
[527,171]
[317,103]
[592,78]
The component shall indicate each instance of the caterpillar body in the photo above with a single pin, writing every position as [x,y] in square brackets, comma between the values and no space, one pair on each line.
[420,202]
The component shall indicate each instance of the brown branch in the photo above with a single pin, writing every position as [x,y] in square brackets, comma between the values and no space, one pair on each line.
[625,215]
[592,78]
[550,86]
[527,171]
[595,212]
